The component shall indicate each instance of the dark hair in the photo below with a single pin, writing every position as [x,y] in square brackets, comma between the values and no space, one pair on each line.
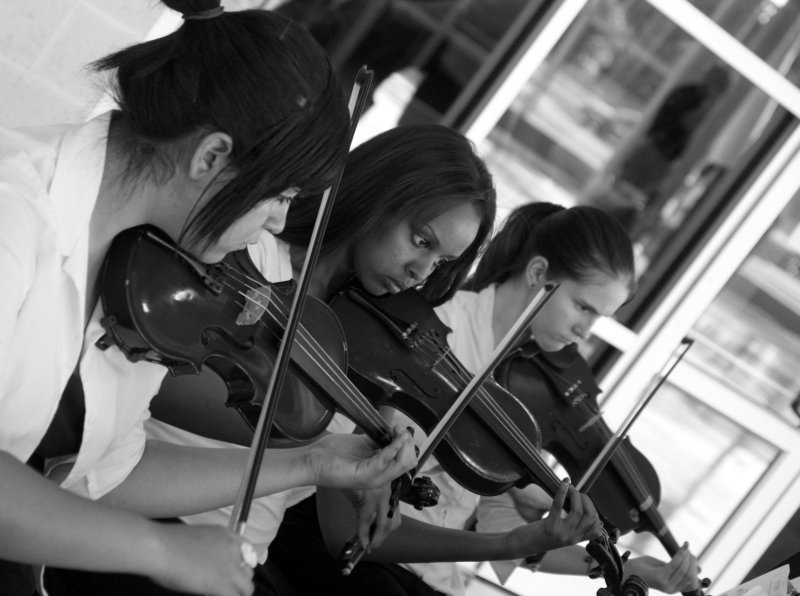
[253,74]
[409,172]
[576,242]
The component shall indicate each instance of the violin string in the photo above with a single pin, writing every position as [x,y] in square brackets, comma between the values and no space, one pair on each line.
[621,460]
[306,342]
[645,503]
[462,375]
[335,374]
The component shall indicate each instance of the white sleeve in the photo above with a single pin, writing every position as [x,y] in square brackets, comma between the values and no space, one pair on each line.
[18,242]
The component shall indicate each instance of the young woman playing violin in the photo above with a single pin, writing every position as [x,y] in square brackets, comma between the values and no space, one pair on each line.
[210,148]
[414,207]
[590,255]
[541,241]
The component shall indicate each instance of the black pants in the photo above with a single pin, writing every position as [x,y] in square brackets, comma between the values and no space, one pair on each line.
[300,553]
[16,579]
[68,582]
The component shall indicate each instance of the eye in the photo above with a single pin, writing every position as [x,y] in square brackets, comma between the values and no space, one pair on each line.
[420,241]
[288,195]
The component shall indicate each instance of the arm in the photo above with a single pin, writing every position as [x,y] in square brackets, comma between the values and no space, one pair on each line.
[677,575]
[519,505]
[417,541]
[194,479]
[46,524]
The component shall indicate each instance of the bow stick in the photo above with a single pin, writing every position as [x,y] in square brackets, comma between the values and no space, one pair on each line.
[605,455]
[593,472]
[241,509]
[500,352]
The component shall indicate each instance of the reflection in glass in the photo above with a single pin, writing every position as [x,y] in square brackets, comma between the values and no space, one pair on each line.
[750,335]
[706,464]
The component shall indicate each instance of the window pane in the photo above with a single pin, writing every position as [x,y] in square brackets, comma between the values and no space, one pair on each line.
[750,335]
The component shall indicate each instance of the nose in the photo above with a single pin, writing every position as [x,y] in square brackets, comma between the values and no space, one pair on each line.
[421,268]
[582,328]
[276,216]
[581,331]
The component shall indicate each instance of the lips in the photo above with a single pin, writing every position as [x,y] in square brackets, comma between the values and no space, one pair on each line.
[393,286]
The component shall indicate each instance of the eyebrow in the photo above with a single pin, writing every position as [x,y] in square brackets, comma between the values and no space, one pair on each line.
[435,241]
[589,307]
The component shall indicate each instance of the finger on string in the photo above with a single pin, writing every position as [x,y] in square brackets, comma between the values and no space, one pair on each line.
[596,529]
[559,498]
[680,567]
[575,502]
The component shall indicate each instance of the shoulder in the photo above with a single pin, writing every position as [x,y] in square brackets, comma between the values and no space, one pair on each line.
[27,166]
[28,157]
[463,305]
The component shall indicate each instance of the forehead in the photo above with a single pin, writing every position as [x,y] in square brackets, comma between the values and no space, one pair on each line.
[602,292]
[455,229]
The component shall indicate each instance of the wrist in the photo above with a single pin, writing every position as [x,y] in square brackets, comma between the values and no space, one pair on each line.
[286,468]
[156,554]
[306,464]
[524,541]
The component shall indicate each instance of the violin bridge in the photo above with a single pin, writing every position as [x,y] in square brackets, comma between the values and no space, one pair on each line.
[409,333]
[255,305]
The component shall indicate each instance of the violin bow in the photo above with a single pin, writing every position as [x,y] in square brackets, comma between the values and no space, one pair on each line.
[500,352]
[352,551]
[593,472]
[241,509]
[605,455]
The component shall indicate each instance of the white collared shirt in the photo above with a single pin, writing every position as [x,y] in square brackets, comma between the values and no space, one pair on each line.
[49,182]
[271,257]
[469,316]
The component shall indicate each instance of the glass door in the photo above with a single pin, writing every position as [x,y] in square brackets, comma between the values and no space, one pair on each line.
[680,118]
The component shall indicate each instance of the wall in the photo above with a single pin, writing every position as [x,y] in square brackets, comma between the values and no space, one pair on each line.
[45,45]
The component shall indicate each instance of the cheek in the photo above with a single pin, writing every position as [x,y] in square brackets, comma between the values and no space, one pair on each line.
[551,319]
[376,254]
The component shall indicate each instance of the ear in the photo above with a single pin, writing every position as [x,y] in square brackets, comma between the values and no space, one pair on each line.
[536,271]
[210,156]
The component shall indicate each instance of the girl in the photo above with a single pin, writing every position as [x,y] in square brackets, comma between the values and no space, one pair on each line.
[414,207]
[590,254]
[210,147]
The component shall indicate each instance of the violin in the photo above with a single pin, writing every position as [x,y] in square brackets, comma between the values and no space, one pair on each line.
[560,390]
[163,306]
[399,357]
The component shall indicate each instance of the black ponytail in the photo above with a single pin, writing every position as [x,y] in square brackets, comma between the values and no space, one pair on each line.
[576,242]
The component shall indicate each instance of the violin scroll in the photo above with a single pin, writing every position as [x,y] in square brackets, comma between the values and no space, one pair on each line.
[610,564]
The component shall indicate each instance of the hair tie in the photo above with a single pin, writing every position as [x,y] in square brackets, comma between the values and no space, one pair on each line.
[202,15]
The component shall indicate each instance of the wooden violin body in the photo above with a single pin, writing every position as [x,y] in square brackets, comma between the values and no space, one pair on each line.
[399,357]
[163,307]
[560,390]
